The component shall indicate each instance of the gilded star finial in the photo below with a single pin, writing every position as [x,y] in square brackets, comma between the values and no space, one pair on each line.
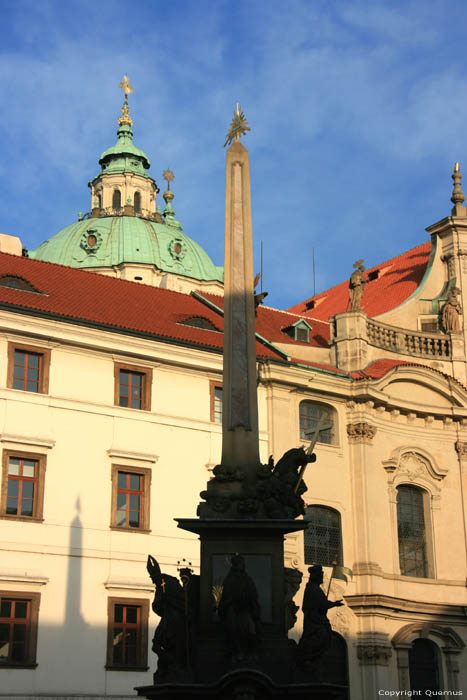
[168,176]
[238,127]
[127,89]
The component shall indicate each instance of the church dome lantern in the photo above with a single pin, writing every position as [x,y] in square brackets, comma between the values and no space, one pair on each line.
[125,234]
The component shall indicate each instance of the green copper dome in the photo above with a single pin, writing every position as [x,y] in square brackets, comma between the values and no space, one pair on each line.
[124,156]
[109,241]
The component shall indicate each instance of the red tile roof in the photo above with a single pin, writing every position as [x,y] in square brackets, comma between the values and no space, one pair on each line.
[398,279]
[72,294]
[375,370]
[273,323]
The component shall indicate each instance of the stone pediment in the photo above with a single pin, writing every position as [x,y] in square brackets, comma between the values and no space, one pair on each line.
[417,393]
[423,386]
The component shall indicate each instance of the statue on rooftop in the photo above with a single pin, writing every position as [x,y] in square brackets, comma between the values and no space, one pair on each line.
[317,632]
[356,285]
[452,312]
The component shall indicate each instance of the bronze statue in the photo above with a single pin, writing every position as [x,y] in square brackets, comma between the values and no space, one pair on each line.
[452,312]
[170,638]
[317,632]
[239,612]
[292,581]
[356,285]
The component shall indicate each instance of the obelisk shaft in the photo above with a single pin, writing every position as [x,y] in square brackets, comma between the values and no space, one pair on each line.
[240,447]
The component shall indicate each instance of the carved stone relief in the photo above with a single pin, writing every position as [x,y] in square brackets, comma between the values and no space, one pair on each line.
[373,654]
[461,449]
[361,432]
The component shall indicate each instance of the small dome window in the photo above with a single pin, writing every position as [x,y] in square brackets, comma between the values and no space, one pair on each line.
[137,202]
[116,199]
[91,240]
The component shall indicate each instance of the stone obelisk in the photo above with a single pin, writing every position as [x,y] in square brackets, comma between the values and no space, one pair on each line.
[240,443]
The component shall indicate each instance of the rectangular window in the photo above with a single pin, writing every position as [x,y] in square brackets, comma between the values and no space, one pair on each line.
[216,402]
[28,368]
[18,628]
[22,493]
[133,387]
[130,498]
[127,641]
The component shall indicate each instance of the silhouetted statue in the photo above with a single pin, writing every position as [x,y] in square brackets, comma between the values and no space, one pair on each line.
[170,638]
[356,284]
[239,612]
[317,632]
[292,581]
[452,312]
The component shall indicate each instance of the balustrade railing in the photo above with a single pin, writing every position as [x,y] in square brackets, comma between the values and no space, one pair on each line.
[141,214]
[409,342]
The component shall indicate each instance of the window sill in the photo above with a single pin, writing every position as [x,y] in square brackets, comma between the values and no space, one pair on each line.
[141,530]
[12,665]
[28,391]
[23,518]
[138,669]
[130,408]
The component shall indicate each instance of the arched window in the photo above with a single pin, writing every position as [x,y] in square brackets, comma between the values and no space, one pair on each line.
[310,415]
[424,665]
[116,199]
[333,665]
[323,536]
[99,201]
[411,531]
[137,202]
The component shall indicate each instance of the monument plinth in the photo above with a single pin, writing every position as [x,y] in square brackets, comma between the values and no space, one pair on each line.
[233,644]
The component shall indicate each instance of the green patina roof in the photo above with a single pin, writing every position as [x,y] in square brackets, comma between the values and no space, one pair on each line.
[124,156]
[128,239]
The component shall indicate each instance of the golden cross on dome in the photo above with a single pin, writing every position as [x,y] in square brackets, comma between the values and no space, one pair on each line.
[169,176]
[125,84]
[238,127]
[127,88]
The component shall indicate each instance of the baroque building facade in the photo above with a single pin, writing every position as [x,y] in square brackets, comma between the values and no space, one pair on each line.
[110,425]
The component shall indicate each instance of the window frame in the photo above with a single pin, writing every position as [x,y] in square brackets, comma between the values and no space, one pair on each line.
[38,504]
[340,552]
[44,366]
[32,626]
[213,385]
[142,639]
[116,191]
[146,384]
[333,414]
[428,532]
[137,195]
[146,475]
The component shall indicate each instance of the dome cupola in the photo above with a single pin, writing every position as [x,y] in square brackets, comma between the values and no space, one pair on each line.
[125,235]
[124,185]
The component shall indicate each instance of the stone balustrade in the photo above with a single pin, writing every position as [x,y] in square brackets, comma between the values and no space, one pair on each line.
[124,211]
[409,342]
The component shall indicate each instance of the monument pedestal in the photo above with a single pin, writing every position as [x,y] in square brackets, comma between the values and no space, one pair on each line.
[243,684]
[273,673]
[261,544]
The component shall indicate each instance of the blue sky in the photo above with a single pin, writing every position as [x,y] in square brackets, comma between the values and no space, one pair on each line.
[357,108]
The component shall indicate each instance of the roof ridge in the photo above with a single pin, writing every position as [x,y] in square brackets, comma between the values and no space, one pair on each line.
[292,313]
[370,269]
